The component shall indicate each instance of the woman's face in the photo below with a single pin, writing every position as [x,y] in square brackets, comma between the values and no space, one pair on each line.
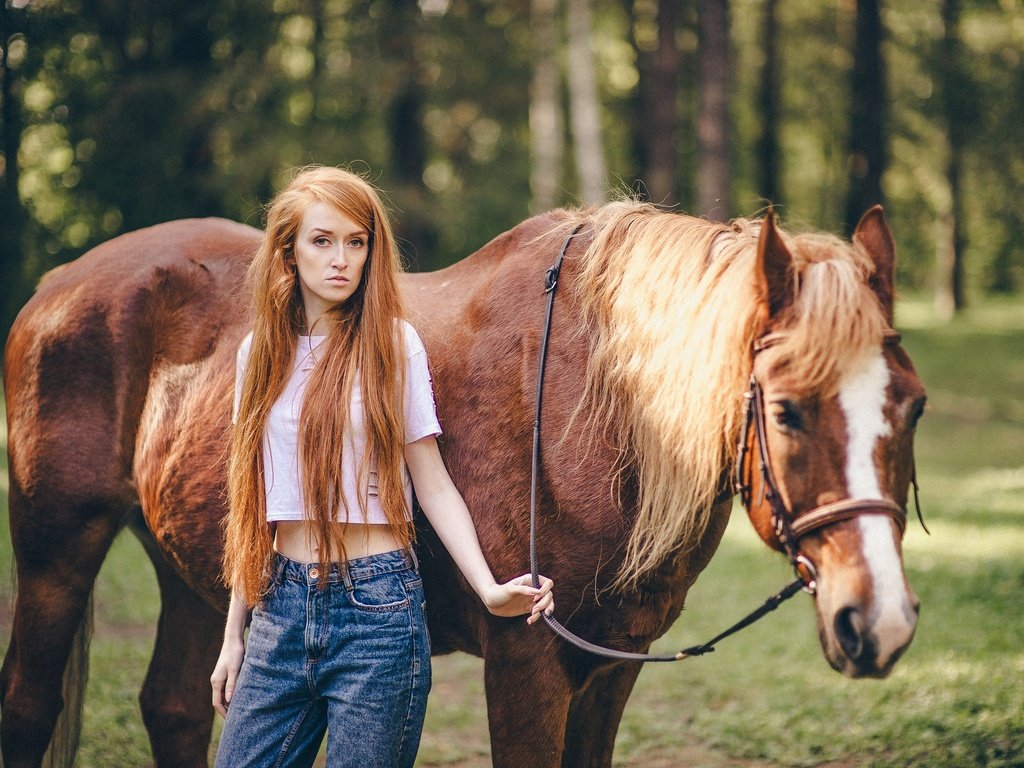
[330,252]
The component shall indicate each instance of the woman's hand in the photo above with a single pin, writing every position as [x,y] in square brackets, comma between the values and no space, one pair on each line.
[225,674]
[518,596]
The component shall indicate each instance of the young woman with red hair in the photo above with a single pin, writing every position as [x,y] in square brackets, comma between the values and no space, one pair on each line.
[334,425]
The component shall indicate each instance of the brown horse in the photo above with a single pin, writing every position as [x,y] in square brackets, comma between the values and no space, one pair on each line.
[118,378]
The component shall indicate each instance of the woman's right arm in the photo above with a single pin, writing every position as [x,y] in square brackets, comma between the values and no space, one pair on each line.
[225,674]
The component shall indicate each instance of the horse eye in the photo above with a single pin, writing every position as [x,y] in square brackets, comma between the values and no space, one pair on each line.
[787,416]
[917,411]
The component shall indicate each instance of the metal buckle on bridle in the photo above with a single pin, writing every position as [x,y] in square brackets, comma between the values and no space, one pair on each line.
[807,573]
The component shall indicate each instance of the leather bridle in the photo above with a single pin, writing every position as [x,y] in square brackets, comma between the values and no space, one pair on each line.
[788,528]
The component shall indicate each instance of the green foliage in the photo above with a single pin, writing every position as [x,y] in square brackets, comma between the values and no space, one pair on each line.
[130,118]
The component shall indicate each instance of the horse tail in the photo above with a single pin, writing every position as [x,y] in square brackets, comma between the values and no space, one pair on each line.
[68,730]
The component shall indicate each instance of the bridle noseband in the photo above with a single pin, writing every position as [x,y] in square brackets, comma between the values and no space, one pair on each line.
[788,528]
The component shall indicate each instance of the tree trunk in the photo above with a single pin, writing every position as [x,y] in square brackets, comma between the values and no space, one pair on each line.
[407,136]
[12,214]
[656,121]
[585,116]
[768,102]
[949,241]
[866,154]
[547,143]
[713,125]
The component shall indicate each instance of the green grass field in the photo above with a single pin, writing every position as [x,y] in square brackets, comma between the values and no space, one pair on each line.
[766,697]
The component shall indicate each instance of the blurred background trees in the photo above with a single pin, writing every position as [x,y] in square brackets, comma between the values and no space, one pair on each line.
[471,114]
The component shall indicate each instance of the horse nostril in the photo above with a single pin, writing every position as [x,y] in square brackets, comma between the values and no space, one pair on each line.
[849,631]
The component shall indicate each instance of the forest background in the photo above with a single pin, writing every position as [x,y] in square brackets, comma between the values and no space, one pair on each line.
[471,114]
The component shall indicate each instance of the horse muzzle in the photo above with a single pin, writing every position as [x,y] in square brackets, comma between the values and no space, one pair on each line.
[865,636]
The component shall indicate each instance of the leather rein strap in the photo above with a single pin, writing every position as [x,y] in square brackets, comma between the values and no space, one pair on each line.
[788,530]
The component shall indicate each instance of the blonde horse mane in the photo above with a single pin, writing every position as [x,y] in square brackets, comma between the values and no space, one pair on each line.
[672,301]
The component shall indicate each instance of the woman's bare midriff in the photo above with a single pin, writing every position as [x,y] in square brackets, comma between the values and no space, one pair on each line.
[297,541]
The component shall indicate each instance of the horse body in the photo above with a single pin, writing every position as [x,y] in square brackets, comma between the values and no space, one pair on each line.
[118,378]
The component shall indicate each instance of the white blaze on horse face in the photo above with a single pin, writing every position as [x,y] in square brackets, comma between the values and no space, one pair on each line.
[862,397]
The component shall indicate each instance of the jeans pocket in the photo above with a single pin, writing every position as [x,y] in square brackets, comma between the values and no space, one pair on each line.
[380,593]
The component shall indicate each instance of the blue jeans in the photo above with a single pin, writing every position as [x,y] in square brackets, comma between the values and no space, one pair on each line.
[352,660]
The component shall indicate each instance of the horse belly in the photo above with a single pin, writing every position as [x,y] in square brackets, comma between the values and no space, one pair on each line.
[181,468]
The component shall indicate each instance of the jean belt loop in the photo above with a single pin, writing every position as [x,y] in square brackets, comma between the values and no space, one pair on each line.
[414,559]
[346,575]
[280,563]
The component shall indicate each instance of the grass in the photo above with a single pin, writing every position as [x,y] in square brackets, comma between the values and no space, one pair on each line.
[766,697]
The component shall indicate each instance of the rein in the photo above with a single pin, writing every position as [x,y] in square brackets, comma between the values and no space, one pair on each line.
[787,530]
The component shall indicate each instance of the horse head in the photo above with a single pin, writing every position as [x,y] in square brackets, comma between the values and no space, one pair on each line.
[827,458]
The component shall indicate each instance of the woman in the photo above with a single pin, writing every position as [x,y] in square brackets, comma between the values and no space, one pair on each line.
[333,414]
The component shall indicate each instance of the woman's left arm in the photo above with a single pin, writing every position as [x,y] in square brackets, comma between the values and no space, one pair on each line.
[445,509]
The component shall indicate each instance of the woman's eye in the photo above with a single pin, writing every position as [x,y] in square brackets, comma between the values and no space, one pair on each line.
[321,241]
[787,416]
[356,243]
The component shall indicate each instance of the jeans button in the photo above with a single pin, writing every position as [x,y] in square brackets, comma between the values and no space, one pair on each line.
[314,573]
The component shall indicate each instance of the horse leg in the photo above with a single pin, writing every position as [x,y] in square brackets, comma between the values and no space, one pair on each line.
[56,567]
[175,699]
[528,697]
[594,717]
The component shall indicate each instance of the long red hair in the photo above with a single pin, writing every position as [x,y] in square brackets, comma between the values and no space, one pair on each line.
[364,339]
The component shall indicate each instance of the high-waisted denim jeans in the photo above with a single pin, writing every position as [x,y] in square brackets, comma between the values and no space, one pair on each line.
[352,659]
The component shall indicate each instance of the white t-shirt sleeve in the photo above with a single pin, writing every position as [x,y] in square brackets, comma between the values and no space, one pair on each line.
[420,413]
[241,361]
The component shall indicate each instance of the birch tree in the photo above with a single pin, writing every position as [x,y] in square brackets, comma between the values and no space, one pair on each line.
[547,144]
[585,112]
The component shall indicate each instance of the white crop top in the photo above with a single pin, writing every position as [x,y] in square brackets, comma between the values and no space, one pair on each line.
[280,441]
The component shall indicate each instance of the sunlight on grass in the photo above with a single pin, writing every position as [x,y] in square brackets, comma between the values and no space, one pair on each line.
[994,314]
[948,537]
[969,542]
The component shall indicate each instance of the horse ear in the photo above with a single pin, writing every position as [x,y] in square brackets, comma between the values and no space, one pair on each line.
[775,285]
[873,235]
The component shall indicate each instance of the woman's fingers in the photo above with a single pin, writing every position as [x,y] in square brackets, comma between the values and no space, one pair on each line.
[542,596]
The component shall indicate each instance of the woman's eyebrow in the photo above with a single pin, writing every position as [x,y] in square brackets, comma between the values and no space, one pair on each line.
[329,231]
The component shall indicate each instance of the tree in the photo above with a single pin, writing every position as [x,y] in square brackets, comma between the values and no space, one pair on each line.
[12,213]
[408,142]
[547,143]
[767,151]
[866,140]
[949,246]
[585,115]
[713,122]
[655,119]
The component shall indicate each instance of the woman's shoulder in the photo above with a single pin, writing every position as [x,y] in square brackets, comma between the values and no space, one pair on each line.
[245,346]
[410,339]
